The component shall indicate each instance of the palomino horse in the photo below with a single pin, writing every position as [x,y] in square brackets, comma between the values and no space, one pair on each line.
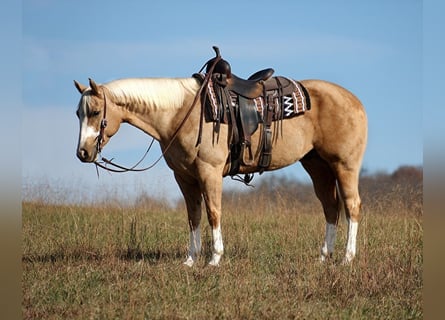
[329,140]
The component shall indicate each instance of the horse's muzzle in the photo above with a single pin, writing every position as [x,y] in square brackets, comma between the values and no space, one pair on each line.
[85,156]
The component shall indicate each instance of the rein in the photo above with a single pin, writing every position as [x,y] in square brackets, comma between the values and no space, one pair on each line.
[103,124]
[105,161]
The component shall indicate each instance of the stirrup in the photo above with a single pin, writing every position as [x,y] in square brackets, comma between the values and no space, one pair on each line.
[246,180]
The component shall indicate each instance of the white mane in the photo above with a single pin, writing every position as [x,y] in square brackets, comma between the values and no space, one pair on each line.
[141,94]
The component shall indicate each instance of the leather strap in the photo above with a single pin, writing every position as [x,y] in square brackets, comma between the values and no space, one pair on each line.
[103,125]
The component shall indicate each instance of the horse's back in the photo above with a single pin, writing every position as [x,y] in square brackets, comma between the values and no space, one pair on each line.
[322,92]
[339,120]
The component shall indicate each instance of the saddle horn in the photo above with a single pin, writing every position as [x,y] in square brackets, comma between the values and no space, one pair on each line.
[216,51]
[222,66]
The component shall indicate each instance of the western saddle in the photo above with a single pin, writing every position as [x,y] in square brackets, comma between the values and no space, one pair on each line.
[244,104]
[251,88]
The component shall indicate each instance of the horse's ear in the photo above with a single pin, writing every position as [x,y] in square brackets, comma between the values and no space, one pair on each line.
[94,87]
[80,87]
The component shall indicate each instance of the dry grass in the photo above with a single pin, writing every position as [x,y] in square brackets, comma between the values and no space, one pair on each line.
[116,262]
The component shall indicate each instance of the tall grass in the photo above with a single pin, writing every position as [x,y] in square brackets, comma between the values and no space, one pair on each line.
[125,262]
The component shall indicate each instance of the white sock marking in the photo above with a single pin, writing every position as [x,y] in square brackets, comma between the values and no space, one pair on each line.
[195,243]
[195,247]
[352,240]
[329,241]
[218,247]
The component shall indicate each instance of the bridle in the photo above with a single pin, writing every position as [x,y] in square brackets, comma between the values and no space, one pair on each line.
[103,124]
[104,161]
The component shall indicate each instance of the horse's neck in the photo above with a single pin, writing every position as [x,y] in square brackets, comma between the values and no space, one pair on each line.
[153,105]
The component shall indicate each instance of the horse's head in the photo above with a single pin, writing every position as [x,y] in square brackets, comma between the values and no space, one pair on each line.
[98,121]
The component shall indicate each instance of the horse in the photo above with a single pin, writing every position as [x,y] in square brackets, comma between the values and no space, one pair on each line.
[329,140]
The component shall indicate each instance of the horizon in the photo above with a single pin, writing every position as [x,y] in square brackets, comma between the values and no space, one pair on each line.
[372,49]
[61,193]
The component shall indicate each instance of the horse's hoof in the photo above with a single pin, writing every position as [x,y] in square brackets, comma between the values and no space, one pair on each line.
[215,260]
[324,257]
[189,262]
[347,261]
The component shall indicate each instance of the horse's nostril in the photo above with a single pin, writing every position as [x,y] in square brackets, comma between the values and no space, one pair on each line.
[82,154]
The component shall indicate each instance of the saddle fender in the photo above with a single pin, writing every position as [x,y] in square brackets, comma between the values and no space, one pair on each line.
[249,124]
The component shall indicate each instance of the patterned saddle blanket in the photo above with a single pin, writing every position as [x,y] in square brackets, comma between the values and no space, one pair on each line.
[287,98]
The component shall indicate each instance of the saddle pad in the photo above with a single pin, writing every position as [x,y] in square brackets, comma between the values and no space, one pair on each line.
[286,104]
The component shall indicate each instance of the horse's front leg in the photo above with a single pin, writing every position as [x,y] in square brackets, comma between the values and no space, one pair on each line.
[212,192]
[193,199]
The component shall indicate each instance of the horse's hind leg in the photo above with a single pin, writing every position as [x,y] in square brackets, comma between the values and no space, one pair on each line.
[348,178]
[324,182]
[193,199]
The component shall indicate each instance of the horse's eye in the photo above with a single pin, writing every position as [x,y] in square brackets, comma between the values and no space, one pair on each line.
[95,113]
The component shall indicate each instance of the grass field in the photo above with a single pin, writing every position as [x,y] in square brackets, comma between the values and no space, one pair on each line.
[121,262]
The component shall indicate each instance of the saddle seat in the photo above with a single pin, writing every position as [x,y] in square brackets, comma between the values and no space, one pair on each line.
[251,88]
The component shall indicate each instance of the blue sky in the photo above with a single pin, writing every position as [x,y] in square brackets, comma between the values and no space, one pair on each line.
[373,48]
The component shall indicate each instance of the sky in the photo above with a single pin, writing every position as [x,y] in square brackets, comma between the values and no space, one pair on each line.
[372,48]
